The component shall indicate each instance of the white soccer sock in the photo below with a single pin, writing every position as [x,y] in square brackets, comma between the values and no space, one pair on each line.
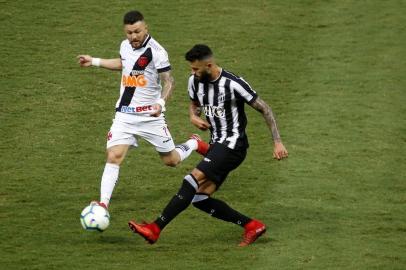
[185,149]
[109,180]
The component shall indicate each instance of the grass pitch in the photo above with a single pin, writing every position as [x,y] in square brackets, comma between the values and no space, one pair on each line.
[334,73]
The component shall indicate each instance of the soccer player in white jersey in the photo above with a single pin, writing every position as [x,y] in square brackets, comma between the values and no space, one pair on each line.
[139,110]
[221,96]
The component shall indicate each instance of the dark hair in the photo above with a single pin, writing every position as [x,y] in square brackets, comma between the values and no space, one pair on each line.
[198,52]
[132,17]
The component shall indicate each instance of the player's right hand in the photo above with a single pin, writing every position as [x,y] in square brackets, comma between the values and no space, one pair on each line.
[200,123]
[279,151]
[157,110]
[84,60]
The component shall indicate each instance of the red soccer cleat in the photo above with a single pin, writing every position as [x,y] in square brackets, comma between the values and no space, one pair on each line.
[149,231]
[202,146]
[99,203]
[253,230]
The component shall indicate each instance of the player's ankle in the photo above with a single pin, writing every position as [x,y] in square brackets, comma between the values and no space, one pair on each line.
[154,228]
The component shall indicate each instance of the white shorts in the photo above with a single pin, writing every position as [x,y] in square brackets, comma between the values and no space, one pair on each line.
[127,127]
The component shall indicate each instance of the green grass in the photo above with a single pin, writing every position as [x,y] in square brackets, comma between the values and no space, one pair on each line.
[334,73]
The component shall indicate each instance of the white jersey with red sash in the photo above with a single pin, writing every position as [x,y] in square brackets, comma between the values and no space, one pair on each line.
[140,89]
[140,85]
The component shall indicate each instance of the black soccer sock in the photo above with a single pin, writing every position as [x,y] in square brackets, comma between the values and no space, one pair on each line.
[179,202]
[221,210]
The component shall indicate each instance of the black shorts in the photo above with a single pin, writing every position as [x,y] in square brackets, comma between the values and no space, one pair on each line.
[220,161]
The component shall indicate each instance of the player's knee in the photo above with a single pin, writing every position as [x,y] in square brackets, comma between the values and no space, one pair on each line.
[170,159]
[171,162]
[114,157]
[198,175]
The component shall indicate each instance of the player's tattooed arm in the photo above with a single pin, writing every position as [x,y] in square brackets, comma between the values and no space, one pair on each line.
[168,84]
[194,112]
[280,151]
[195,109]
[270,120]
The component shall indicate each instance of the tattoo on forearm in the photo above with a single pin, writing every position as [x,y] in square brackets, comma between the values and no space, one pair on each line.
[194,110]
[168,85]
[198,111]
[270,120]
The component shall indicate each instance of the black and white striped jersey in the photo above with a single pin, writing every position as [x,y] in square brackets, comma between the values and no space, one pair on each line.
[222,101]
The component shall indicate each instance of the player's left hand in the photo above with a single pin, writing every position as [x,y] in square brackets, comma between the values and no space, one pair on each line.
[279,151]
[157,110]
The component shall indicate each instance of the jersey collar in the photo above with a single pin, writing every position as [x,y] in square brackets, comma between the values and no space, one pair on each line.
[218,78]
[144,44]
[146,41]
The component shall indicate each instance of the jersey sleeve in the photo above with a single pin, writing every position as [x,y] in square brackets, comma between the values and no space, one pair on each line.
[245,91]
[161,61]
[121,51]
[191,89]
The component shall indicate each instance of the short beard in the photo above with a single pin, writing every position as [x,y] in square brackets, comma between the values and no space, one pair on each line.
[204,78]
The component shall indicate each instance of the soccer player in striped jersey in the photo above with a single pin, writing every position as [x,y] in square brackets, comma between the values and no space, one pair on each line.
[144,64]
[221,96]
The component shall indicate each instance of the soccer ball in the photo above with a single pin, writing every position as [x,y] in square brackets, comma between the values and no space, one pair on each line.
[95,218]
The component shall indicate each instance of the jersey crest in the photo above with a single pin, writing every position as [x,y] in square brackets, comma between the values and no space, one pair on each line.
[143,61]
